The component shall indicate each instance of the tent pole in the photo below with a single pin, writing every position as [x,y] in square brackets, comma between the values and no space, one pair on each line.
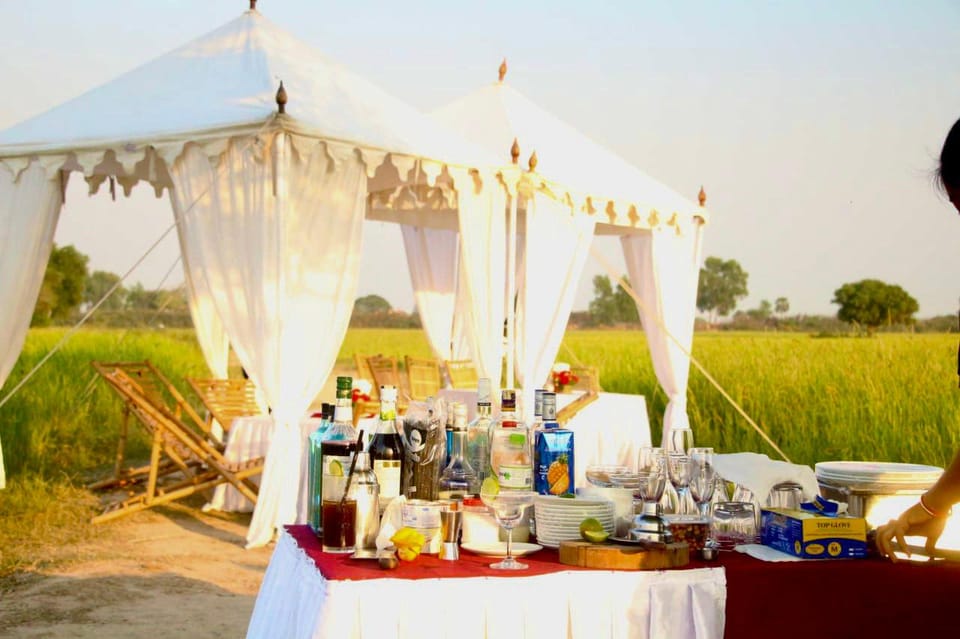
[511,285]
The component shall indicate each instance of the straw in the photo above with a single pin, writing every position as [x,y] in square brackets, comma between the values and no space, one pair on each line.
[353,464]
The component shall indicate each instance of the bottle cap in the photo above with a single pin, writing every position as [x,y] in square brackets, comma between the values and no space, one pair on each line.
[388,393]
[327,410]
[483,391]
[344,383]
[549,407]
[538,402]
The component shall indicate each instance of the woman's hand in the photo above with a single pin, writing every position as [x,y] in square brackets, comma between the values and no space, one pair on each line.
[914,521]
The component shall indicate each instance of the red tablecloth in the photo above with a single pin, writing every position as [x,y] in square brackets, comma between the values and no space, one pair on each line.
[840,598]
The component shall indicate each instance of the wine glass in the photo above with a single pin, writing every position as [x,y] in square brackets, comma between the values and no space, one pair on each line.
[652,473]
[508,507]
[703,478]
[679,468]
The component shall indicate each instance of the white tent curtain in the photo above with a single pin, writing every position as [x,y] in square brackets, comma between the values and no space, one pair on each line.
[664,268]
[482,270]
[30,206]
[556,242]
[209,329]
[432,260]
[275,230]
[211,336]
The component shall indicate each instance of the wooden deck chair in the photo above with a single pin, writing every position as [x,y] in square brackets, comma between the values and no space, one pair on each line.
[226,399]
[588,381]
[201,466]
[155,386]
[387,373]
[366,408]
[462,374]
[423,376]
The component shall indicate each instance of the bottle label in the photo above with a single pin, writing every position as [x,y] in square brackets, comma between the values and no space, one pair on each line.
[388,476]
[515,476]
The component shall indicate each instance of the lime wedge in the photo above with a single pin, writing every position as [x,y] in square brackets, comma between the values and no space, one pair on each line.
[595,537]
[336,468]
[490,486]
[592,530]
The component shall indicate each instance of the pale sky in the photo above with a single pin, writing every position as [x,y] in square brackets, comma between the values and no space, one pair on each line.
[814,126]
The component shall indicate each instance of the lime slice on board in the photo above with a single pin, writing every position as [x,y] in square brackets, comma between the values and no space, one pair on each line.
[592,530]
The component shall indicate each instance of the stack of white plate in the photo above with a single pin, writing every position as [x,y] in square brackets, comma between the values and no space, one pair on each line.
[853,474]
[558,518]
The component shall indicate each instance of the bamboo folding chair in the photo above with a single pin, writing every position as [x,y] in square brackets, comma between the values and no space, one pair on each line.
[462,374]
[372,406]
[588,381]
[423,376]
[386,373]
[176,446]
[226,399]
[159,390]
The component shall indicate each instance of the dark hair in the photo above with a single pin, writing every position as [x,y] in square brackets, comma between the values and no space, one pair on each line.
[948,175]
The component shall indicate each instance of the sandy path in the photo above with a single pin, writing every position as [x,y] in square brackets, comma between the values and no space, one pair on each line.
[173,572]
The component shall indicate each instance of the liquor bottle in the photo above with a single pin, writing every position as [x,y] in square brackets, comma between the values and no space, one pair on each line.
[314,468]
[340,441]
[478,435]
[537,411]
[386,451]
[554,453]
[458,478]
[511,457]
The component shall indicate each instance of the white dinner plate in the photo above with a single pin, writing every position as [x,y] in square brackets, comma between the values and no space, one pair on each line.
[499,549]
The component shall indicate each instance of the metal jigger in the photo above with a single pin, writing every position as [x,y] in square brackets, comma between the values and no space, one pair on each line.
[651,526]
[450,522]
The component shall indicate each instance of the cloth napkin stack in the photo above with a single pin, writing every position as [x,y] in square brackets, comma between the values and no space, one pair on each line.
[759,473]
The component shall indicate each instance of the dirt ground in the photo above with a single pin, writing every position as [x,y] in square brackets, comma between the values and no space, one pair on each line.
[170,572]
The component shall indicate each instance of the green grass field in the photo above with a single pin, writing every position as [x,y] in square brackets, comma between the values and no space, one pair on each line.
[892,397]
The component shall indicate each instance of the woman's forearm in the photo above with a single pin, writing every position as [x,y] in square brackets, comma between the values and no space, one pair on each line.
[946,492]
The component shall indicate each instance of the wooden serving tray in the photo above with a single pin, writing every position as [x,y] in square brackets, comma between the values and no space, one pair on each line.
[621,557]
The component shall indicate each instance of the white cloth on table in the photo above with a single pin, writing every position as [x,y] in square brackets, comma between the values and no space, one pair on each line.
[296,601]
[766,553]
[759,473]
[250,438]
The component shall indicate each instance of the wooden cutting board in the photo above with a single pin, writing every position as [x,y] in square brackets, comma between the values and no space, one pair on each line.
[623,557]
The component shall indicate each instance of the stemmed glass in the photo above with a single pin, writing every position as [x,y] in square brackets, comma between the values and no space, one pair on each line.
[679,467]
[508,507]
[652,471]
[703,478]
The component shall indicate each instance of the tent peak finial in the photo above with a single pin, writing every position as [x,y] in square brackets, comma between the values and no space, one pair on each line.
[532,162]
[281,99]
[515,151]
[253,5]
[702,196]
[503,69]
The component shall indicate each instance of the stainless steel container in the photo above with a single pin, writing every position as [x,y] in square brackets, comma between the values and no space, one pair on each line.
[876,502]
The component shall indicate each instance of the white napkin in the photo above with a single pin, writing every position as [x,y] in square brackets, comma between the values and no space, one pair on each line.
[766,553]
[392,521]
[759,473]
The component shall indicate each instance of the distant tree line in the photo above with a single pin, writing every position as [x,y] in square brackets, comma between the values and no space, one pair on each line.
[865,307]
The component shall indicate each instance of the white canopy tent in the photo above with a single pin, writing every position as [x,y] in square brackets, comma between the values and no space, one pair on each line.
[255,192]
[256,187]
[581,188]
